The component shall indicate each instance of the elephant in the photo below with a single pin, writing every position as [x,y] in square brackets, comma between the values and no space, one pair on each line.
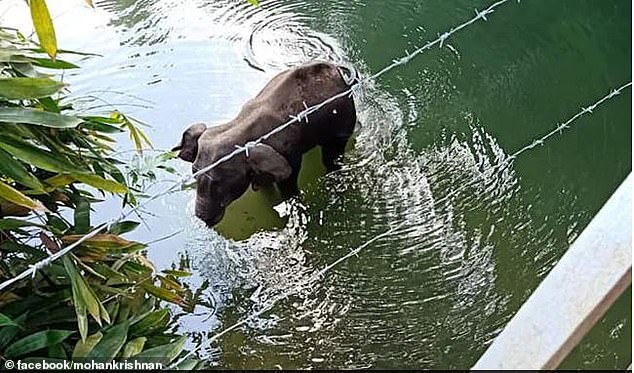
[277,158]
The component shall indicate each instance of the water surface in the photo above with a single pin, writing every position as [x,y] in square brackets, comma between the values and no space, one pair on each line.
[475,235]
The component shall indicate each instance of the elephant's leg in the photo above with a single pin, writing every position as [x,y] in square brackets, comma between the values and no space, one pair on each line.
[288,187]
[332,153]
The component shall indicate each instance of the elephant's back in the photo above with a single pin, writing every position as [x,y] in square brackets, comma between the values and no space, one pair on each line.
[288,94]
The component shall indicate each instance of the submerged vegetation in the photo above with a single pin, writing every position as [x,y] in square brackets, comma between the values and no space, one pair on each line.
[104,299]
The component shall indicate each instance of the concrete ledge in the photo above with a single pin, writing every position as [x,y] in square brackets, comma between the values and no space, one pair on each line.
[592,274]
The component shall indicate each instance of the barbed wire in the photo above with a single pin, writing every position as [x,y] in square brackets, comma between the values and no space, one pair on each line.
[566,125]
[301,116]
[321,273]
[559,129]
[269,304]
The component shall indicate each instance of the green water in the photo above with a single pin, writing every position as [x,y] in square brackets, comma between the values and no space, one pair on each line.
[475,238]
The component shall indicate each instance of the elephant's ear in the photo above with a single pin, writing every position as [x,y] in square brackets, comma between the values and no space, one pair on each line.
[267,165]
[189,142]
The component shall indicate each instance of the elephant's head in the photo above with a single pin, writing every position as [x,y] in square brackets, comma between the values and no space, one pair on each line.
[226,182]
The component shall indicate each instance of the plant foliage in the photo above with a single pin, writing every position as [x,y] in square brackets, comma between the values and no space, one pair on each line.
[103,299]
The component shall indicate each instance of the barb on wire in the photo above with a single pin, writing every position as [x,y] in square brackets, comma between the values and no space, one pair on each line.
[565,125]
[182,182]
[248,145]
[537,142]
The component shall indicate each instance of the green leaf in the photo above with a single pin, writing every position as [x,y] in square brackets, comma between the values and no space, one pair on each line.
[112,342]
[37,117]
[163,294]
[104,120]
[134,347]
[83,348]
[37,157]
[9,332]
[82,216]
[82,316]
[12,195]
[83,294]
[100,183]
[48,104]
[101,127]
[28,88]
[6,320]
[177,273]
[53,64]
[123,227]
[100,240]
[44,26]
[137,136]
[36,342]
[12,223]
[254,2]
[15,170]
[151,322]
[57,351]
[165,353]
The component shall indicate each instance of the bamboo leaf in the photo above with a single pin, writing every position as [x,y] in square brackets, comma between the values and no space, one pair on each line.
[9,224]
[12,195]
[111,343]
[37,157]
[53,64]
[82,294]
[100,240]
[44,27]
[16,170]
[152,321]
[123,227]
[9,332]
[59,181]
[163,294]
[177,273]
[83,347]
[82,216]
[57,351]
[100,183]
[28,88]
[6,321]
[37,117]
[165,353]
[82,317]
[36,342]
[134,347]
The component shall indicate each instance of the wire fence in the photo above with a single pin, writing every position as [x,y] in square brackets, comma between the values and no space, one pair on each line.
[559,129]
[298,118]
[321,273]
[303,116]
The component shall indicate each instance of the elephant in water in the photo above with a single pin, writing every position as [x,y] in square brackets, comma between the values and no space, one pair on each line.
[277,159]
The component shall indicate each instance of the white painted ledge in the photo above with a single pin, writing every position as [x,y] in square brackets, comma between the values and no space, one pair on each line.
[592,274]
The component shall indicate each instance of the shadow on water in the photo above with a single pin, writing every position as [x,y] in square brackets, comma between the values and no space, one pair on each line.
[475,236]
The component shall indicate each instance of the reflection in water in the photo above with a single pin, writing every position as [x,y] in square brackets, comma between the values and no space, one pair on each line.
[429,155]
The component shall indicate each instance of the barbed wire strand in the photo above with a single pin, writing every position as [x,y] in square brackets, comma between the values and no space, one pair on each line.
[269,304]
[303,115]
[320,274]
[559,129]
